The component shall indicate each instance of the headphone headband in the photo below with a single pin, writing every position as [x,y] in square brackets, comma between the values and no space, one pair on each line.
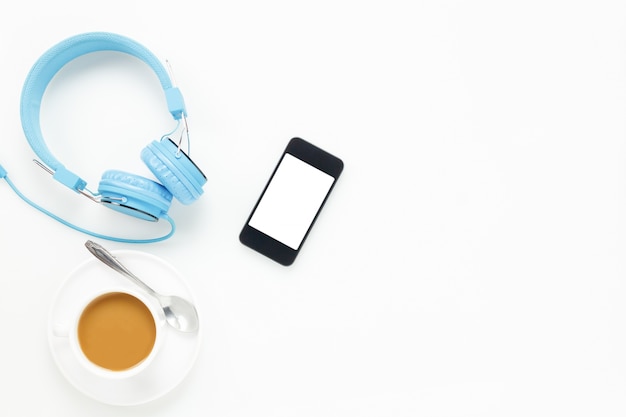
[53,60]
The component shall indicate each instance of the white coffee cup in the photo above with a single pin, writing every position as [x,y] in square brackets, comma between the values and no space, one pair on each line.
[116,333]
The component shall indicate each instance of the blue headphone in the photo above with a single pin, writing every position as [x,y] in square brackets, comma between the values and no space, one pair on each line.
[127,193]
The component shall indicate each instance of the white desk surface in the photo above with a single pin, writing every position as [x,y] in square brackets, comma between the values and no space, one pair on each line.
[470,262]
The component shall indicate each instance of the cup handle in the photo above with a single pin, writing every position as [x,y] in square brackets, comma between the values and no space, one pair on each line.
[60,330]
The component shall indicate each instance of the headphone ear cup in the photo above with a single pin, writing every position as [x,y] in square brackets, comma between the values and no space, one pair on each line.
[134,195]
[174,169]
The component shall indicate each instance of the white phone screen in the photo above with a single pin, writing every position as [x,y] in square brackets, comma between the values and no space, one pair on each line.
[291,201]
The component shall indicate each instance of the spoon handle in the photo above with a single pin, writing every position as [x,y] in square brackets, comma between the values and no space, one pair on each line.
[108,259]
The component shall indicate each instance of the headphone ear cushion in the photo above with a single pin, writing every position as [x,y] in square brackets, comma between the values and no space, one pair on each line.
[166,177]
[134,195]
[174,170]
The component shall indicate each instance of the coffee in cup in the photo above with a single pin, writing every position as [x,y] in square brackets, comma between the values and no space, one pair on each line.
[116,333]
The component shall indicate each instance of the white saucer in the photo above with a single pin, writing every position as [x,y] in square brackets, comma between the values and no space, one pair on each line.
[175,357]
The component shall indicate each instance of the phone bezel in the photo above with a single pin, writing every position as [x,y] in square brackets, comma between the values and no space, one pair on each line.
[267,245]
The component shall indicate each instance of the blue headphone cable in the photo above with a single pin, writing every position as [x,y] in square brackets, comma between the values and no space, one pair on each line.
[4,175]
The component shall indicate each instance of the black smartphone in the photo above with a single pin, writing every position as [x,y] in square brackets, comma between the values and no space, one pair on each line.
[291,201]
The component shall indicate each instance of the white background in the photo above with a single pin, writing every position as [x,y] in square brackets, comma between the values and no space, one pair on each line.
[470,261]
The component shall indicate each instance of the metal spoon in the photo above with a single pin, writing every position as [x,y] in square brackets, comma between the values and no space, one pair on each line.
[179,313]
